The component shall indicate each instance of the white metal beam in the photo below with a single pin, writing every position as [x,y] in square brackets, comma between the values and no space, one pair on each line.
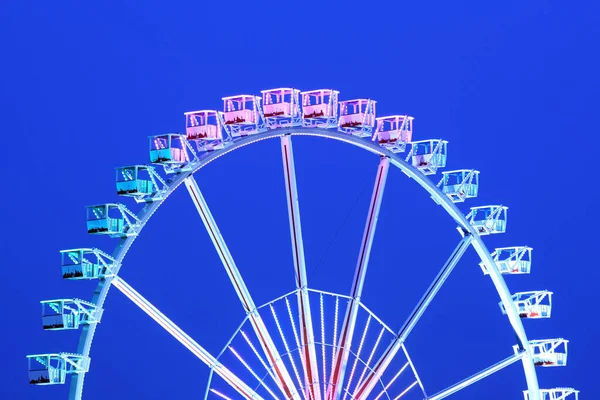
[384,361]
[307,338]
[185,340]
[278,369]
[345,341]
[477,377]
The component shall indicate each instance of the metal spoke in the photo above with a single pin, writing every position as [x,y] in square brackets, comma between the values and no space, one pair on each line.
[384,361]
[309,352]
[341,358]
[185,340]
[477,377]
[280,374]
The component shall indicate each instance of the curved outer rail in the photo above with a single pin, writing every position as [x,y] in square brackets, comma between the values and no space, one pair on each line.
[101,291]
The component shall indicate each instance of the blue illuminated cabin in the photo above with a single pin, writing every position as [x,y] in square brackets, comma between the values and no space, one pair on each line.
[100,222]
[56,317]
[86,264]
[460,184]
[131,183]
[168,149]
[64,314]
[428,155]
[52,369]
[114,220]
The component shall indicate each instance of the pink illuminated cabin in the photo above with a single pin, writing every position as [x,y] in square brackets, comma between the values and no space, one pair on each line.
[357,116]
[281,107]
[205,128]
[319,108]
[394,132]
[243,114]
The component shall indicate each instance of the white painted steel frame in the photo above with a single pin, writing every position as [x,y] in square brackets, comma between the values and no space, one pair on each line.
[386,358]
[477,377]
[280,374]
[185,340]
[87,332]
[307,339]
[347,332]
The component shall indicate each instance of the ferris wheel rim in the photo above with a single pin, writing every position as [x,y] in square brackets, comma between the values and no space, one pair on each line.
[125,243]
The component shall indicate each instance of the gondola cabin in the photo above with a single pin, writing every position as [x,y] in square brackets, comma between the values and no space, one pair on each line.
[204,124]
[134,181]
[320,108]
[511,260]
[532,305]
[243,114]
[428,155]
[357,117]
[85,264]
[168,149]
[52,369]
[549,352]
[107,219]
[488,220]
[460,184]
[56,317]
[394,132]
[46,369]
[281,107]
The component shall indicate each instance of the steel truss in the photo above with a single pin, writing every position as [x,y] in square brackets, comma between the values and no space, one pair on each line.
[332,367]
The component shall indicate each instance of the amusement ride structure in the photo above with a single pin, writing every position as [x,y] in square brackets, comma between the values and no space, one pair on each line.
[307,344]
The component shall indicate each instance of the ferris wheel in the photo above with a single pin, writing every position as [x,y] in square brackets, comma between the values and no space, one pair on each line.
[307,344]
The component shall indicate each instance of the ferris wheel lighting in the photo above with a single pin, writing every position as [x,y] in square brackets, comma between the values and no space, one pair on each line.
[311,371]
[511,260]
[365,368]
[245,364]
[412,385]
[69,314]
[288,112]
[278,367]
[360,346]
[357,117]
[349,323]
[394,132]
[479,376]
[221,395]
[183,338]
[384,361]
[287,349]
[428,155]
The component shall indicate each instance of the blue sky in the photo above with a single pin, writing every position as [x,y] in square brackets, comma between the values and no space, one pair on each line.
[512,87]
